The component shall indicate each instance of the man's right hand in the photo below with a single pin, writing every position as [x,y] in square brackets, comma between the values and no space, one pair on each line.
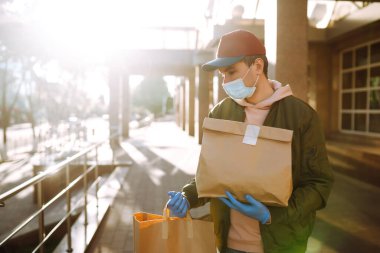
[178,204]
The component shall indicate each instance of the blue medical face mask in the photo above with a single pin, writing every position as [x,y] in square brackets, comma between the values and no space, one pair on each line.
[236,89]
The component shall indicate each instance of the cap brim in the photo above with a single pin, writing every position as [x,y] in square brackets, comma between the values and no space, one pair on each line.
[220,63]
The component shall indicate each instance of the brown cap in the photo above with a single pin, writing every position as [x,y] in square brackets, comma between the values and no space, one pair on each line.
[233,47]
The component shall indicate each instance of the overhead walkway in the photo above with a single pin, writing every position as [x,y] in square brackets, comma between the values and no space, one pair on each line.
[179,62]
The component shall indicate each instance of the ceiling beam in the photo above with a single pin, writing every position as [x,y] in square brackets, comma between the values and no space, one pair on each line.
[355,20]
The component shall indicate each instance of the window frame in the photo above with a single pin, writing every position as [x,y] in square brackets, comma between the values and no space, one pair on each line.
[353,90]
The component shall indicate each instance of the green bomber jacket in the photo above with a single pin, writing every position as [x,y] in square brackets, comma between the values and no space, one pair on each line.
[312,176]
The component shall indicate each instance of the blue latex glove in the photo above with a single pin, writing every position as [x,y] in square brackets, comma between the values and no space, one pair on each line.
[178,204]
[253,209]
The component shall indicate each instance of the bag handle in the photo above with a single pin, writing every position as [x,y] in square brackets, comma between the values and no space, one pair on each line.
[165,226]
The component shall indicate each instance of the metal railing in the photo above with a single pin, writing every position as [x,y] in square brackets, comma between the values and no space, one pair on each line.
[37,180]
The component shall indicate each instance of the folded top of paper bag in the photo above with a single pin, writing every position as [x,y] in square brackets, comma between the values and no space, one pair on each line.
[239,128]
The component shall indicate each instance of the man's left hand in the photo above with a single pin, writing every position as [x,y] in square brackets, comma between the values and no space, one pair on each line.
[253,208]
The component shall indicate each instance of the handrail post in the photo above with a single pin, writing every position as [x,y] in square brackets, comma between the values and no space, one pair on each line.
[113,156]
[96,176]
[41,218]
[68,210]
[85,188]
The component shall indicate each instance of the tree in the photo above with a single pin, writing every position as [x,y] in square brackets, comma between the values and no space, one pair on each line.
[31,82]
[152,94]
[9,97]
[27,96]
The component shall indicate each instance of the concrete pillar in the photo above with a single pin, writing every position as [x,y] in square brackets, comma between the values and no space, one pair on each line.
[183,104]
[203,82]
[177,102]
[286,44]
[320,95]
[190,85]
[114,104]
[126,106]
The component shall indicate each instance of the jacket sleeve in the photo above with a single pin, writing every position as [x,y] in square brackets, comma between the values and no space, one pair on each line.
[316,177]
[190,192]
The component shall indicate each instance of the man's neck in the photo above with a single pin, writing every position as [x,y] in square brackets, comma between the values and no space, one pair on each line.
[263,91]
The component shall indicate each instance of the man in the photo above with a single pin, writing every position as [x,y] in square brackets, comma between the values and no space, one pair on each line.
[252,226]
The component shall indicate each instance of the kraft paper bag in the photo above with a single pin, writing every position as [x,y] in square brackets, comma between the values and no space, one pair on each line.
[163,234]
[245,159]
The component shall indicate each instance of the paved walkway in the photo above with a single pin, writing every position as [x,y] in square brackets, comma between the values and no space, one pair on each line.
[165,158]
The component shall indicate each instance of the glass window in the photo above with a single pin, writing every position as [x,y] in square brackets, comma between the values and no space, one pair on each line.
[360,89]
[374,100]
[375,77]
[347,101]
[375,52]
[374,123]
[346,121]
[347,80]
[361,56]
[347,60]
[361,100]
[360,122]
[361,78]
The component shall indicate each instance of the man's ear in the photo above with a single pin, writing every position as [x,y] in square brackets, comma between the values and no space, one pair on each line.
[259,65]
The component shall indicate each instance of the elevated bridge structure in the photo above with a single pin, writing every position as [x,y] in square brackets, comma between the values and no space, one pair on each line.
[192,98]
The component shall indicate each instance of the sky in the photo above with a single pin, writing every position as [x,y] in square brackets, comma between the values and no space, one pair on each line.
[93,25]
[93,29]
